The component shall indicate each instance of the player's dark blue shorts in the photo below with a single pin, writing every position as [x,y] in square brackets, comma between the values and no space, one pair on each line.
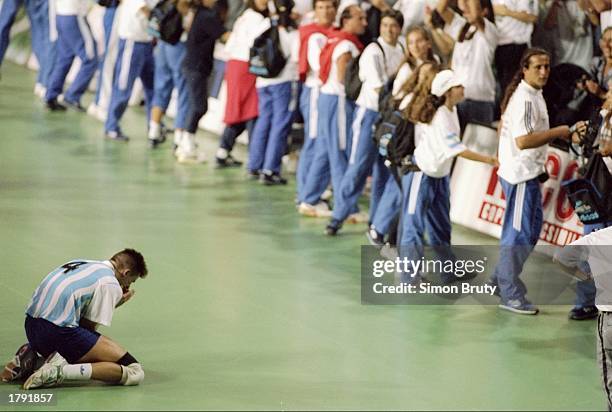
[46,338]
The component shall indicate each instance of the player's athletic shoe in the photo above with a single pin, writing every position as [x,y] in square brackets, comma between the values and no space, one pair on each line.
[520,307]
[23,364]
[50,374]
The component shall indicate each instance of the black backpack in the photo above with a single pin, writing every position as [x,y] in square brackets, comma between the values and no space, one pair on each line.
[266,58]
[394,137]
[591,195]
[352,82]
[165,22]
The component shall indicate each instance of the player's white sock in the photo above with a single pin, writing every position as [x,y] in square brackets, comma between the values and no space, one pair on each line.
[77,372]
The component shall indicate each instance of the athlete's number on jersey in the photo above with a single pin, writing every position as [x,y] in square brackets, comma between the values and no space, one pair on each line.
[69,267]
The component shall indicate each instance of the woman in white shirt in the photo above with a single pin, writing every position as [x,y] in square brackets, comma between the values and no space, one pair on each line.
[277,104]
[426,193]
[476,38]
[241,106]
[382,218]
[419,50]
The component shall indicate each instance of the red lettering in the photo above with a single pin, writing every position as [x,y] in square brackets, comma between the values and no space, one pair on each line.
[553,166]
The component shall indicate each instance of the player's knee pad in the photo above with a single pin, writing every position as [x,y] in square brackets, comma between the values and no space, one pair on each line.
[132,374]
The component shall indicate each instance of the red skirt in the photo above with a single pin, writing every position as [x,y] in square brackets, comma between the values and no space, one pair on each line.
[241,103]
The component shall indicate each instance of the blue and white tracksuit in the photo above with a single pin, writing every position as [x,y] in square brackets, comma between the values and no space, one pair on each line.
[521,229]
[277,104]
[518,174]
[334,135]
[134,60]
[426,193]
[332,146]
[74,40]
[309,98]
[107,62]
[425,208]
[168,75]
[378,62]
[42,31]
[362,156]
[387,207]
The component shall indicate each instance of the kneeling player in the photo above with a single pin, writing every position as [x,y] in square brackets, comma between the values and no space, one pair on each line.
[62,318]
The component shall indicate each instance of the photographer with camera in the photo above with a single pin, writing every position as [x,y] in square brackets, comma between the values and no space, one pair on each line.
[598,137]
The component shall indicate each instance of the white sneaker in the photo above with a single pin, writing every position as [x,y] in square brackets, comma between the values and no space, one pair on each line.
[187,152]
[50,374]
[321,209]
[359,217]
[40,90]
[327,194]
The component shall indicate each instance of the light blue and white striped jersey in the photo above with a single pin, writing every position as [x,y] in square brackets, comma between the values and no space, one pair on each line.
[79,289]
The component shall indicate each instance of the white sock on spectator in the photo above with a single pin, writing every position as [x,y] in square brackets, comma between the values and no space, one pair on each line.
[154,130]
[222,153]
[178,136]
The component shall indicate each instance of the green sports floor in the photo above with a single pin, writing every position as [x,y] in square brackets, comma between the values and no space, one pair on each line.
[247,305]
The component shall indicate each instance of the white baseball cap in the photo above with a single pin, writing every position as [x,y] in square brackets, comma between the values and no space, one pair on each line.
[443,82]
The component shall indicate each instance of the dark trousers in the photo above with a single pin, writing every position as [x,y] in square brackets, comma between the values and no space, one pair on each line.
[507,60]
[232,131]
[197,90]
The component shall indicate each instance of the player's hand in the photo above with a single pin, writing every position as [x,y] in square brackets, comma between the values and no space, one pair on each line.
[127,295]
[493,161]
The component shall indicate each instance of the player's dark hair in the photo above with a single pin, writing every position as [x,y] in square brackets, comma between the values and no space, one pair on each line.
[131,259]
[395,15]
[518,76]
